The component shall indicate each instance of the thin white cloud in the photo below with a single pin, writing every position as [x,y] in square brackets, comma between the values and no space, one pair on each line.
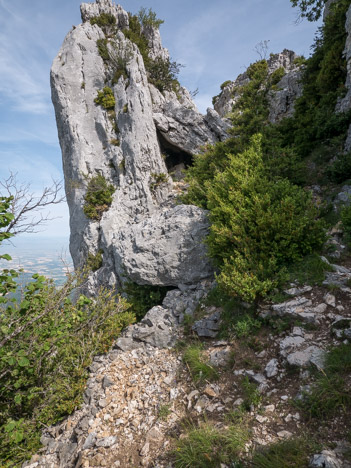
[24,84]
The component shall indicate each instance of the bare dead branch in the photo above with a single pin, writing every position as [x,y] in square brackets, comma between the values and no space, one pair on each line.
[26,206]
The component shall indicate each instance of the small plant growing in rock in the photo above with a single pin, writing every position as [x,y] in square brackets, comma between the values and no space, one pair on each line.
[104,21]
[94,262]
[106,99]
[225,84]
[115,142]
[82,85]
[158,179]
[149,18]
[164,411]
[103,49]
[199,369]
[98,198]
[125,108]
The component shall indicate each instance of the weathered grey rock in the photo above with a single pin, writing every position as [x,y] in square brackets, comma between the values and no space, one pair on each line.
[310,355]
[281,101]
[208,327]
[166,248]
[87,136]
[271,369]
[290,343]
[106,442]
[89,441]
[326,459]
[220,357]
[156,328]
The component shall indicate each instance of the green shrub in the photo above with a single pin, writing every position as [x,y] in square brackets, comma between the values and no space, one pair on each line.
[98,197]
[104,21]
[94,262]
[276,76]
[144,297]
[257,226]
[207,446]
[163,74]
[225,84]
[46,344]
[197,365]
[103,49]
[106,99]
[158,179]
[149,18]
[340,170]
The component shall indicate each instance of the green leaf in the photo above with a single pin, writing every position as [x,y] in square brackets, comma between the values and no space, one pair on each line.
[23,362]
[18,399]
[6,257]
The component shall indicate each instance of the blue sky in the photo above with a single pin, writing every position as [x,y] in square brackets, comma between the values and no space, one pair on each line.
[214,40]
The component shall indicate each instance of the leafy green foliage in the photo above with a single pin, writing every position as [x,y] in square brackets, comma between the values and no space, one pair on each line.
[94,262]
[206,446]
[157,180]
[257,227]
[340,170]
[143,297]
[103,49]
[310,9]
[315,122]
[224,84]
[161,73]
[104,21]
[198,367]
[148,18]
[330,391]
[106,99]
[98,197]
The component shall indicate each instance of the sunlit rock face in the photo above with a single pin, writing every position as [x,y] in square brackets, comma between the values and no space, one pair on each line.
[144,235]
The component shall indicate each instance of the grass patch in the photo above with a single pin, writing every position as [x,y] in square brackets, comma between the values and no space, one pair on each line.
[330,391]
[310,270]
[238,319]
[207,447]
[199,369]
[164,411]
[287,454]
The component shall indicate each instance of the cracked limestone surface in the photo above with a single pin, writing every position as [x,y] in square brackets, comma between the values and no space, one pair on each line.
[122,144]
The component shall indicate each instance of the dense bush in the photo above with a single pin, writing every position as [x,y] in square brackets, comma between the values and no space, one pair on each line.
[103,49]
[47,341]
[98,197]
[142,298]
[94,262]
[258,225]
[340,169]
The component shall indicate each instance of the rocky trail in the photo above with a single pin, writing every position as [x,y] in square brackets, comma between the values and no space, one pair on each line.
[141,395]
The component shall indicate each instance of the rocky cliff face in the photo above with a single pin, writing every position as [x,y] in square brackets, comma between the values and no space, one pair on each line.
[345,104]
[144,234]
[281,100]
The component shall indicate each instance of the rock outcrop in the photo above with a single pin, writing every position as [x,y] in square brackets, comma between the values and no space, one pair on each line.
[132,144]
[345,104]
[281,100]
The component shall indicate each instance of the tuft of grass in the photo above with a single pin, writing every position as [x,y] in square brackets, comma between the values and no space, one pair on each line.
[198,367]
[252,396]
[287,454]
[330,392]
[310,270]
[164,411]
[207,447]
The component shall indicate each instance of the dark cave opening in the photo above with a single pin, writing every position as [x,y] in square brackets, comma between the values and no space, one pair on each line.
[175,158]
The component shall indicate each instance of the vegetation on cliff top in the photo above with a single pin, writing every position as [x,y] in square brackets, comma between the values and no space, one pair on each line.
[262,219]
